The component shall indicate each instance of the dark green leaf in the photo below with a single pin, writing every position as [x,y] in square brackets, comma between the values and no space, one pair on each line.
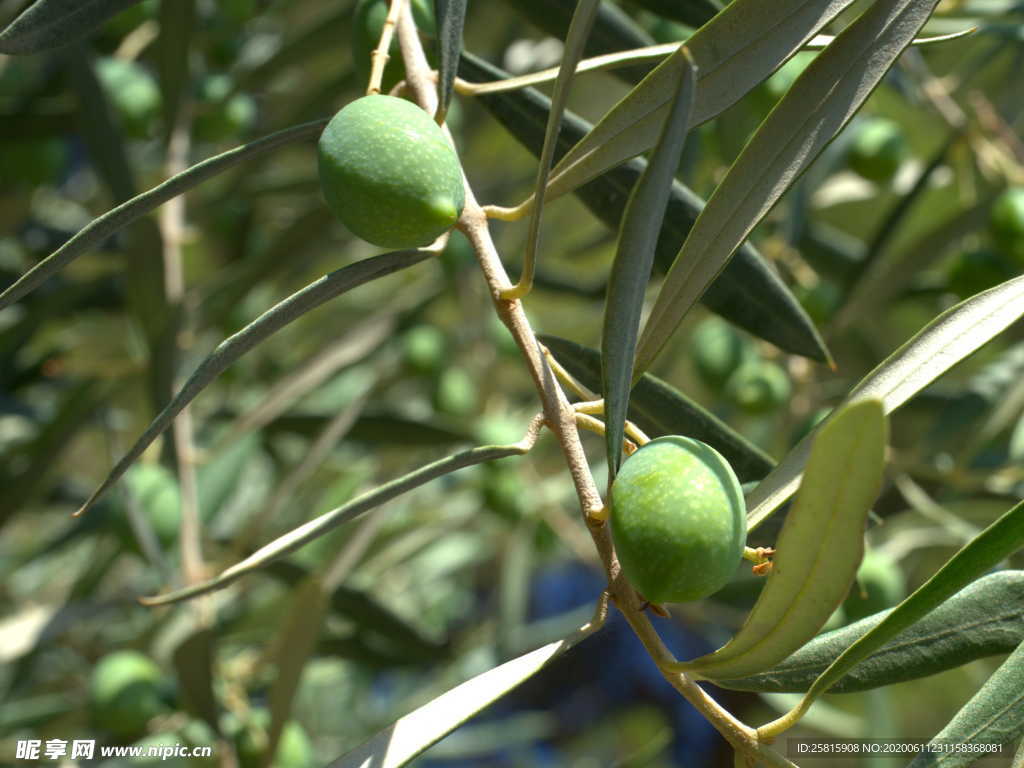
[451,17]
[660,409]
[295,306]
[817,106]
[631,269]
[177,19]
[193,662]
[51,23]
[693,13]
[748,293]
[984,619]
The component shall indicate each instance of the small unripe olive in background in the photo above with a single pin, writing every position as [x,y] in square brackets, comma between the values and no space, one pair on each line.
[133,92]
[251,741]
[717,350]
[126,692]
[878,149]
[883,585]
[1006,223]
[219,116]
[455,392]
[388,172]
[424,348]
[758,386]
[366,28]
[678,520]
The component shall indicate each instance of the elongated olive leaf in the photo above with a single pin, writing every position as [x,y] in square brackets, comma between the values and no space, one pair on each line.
[177,21]
[98,230]
[693,13]
[940,345]
[410,735]
[193,663]
[659,409]
[634,258]
[993,716]
[274,319]
[579,31]
[52,23]
[997,542]
[318,526]
[819,549]
[817,106]
[654,54]
[450,17]
[748,292]
[983,619]
[733,52]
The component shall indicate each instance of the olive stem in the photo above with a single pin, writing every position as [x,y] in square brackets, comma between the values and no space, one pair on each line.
[380,56]
[561,419]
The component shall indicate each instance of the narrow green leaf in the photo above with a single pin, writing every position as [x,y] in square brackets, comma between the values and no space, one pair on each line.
[993,716]
[177,20]
[732,53]
[318,526]
[579,31]
[193,664]
[659,409]
[293,647]
[997,542]
[450,16]
[749,292]
[817,106]
[819,548]
[53,23]
[410,735]
[940,345]
[274,319]
[983,619]
[124,214]
[693,13]
[634,258]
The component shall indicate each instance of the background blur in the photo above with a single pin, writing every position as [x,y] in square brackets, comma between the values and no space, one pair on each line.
[494,560]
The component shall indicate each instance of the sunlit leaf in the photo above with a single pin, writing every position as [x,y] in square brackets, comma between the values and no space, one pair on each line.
[819,549]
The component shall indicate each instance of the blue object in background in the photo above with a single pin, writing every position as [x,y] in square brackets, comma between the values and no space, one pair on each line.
[608,672]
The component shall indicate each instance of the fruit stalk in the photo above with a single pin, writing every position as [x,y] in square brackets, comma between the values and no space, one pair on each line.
[380,56]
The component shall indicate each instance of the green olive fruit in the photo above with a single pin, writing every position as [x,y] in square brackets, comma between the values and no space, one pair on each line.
[880,585]
[133,92]
[293,747]
[1006,222]
[159,499]
[424,348]
[366,29]
[126,692]
[222,116]
[504,491]
[977,271]
[877,150]
[717,350]
[758,386]
[821,300]
[678,520]
[455,393]
[388,172]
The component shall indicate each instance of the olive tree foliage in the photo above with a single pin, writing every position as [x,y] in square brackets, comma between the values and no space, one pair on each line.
[766,91]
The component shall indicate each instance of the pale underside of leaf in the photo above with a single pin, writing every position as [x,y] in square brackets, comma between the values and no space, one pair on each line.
[943,343]
[997,542]
[821,101]
[819,549]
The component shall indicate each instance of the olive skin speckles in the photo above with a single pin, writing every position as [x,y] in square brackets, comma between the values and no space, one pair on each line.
[388,172]
[678,520]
